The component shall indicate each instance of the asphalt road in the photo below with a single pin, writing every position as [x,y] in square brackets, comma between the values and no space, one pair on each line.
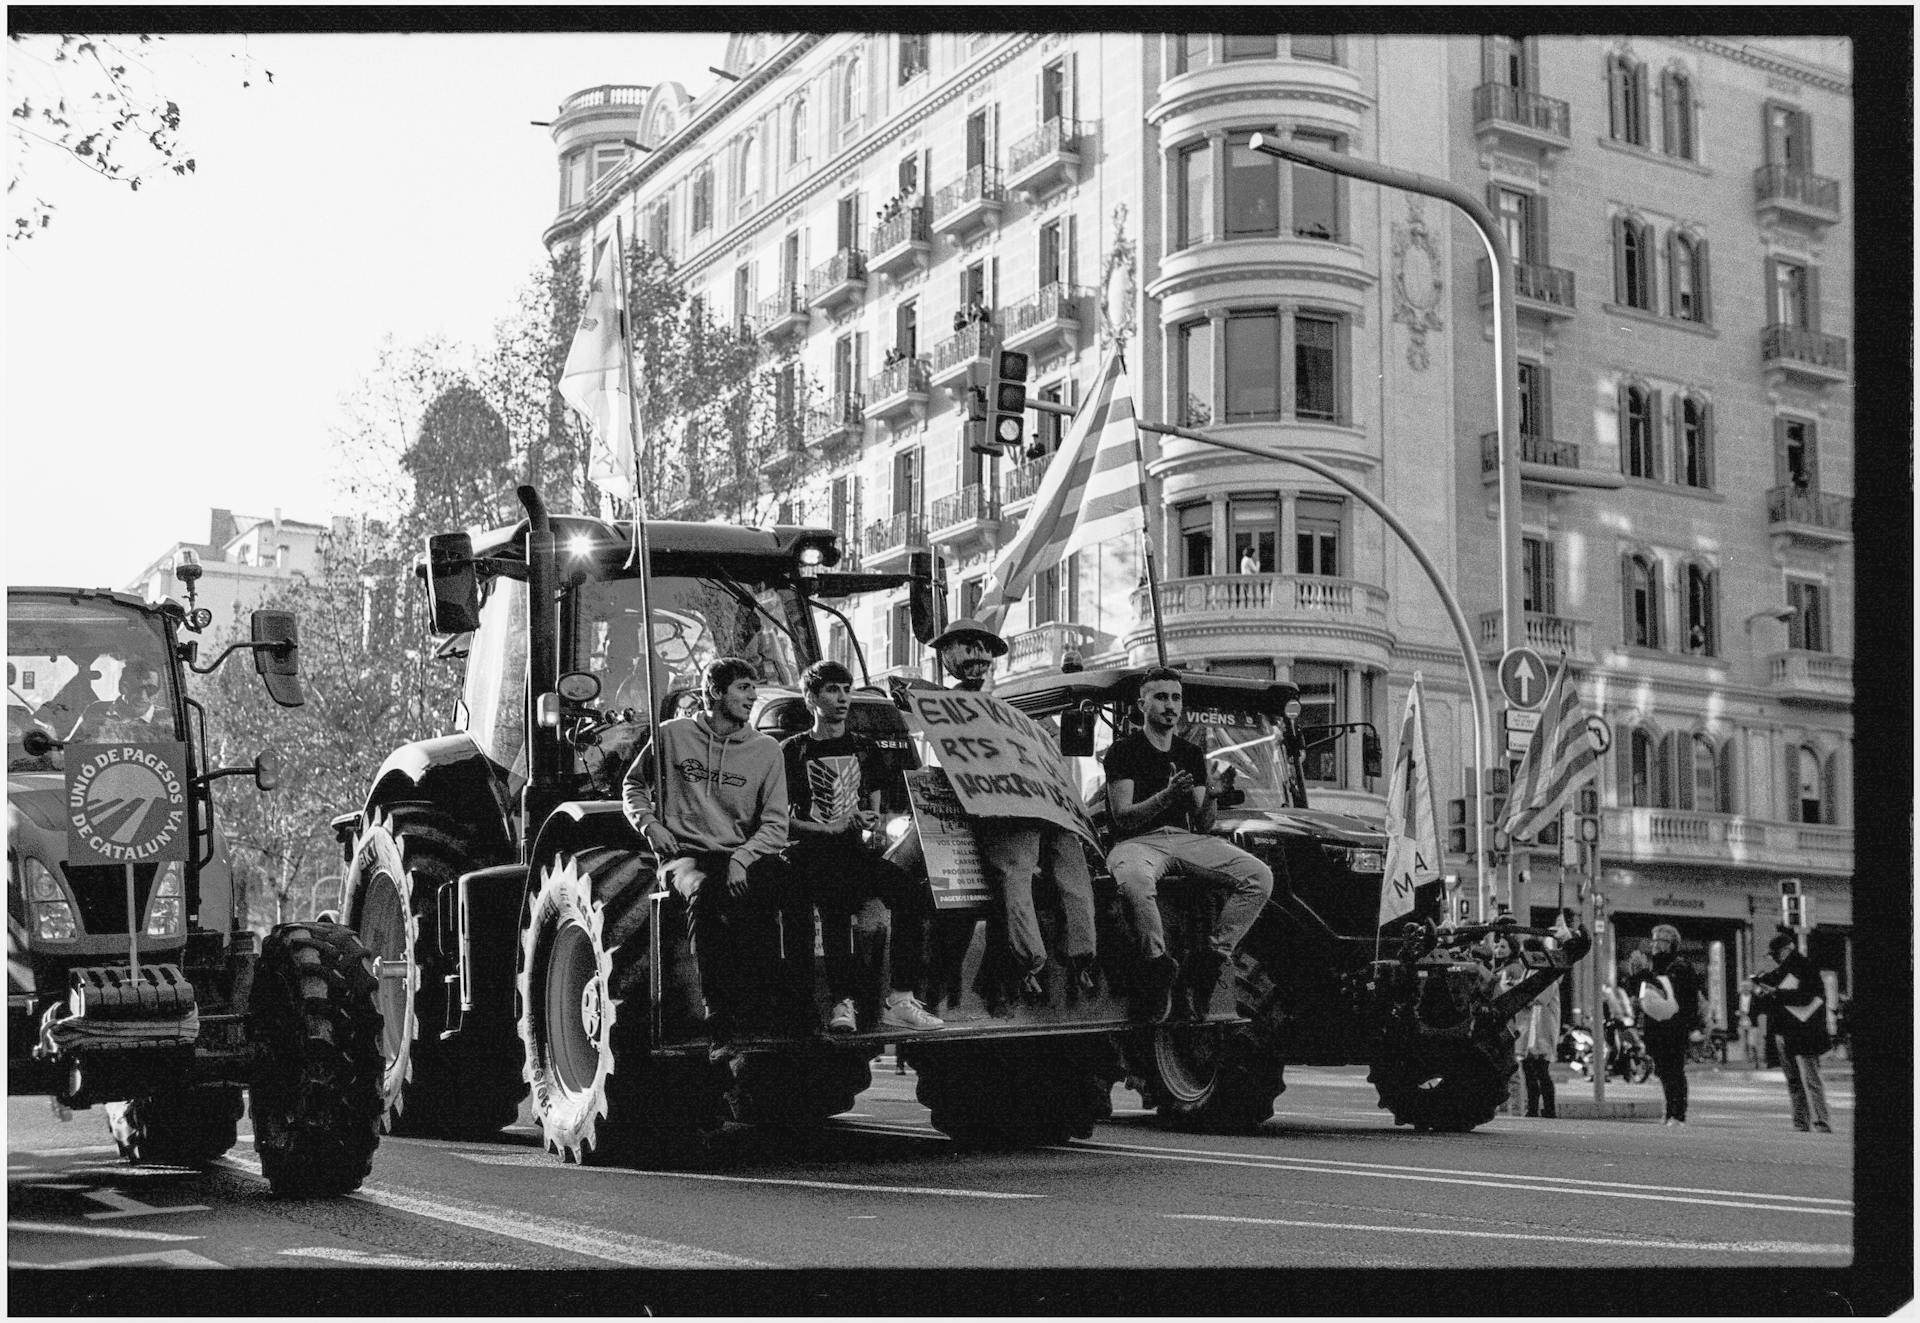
[1330,1182]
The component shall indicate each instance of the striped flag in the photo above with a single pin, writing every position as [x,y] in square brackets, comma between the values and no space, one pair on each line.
[1559,759]
[1413,820]
[594,383]
[1092,491]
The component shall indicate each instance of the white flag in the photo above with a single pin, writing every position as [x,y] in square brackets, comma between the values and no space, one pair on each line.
[1413,824]
[594,383]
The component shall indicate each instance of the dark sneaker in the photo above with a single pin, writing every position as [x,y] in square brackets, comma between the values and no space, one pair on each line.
[1823,1127]
[1203,977]
[1800,1126]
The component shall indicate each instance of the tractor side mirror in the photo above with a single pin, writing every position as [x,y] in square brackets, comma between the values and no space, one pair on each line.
[266,769]
[1369,753]
[1076,733]
[276,655]
[453,587]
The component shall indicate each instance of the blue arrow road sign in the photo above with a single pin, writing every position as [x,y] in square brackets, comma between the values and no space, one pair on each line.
[1523,678]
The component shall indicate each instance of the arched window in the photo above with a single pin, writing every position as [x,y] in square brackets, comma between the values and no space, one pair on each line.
[1695,459]
[1641,768]
[748,184]
[1640,601]
[1700,784]
[1703,635]
[1633,262]
[797,133]
[1626,100]
[850,103]
[1810,778]
[1639,448]
[1687,295]
[1676,114]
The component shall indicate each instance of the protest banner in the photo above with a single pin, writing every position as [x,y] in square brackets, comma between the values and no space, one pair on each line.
[946,841]
[1001,762]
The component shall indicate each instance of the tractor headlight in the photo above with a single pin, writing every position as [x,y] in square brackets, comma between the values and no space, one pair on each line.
[164,906]
[1367,861]
[53,919]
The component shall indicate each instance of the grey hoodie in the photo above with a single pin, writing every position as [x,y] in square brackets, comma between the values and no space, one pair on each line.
[724,792]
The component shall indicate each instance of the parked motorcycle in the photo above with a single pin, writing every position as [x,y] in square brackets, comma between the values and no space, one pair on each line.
[1626,1052]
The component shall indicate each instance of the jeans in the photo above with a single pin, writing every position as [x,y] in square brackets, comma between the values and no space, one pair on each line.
[1139,864]
[1805,1088]
[1670,1064]
[1539,1080]
[878,897]
[738,973]
[1011,851]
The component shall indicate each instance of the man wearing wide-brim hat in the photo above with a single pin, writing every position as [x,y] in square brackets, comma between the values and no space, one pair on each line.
[1011,851]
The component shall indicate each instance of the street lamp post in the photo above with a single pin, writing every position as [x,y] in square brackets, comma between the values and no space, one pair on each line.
[1506,400]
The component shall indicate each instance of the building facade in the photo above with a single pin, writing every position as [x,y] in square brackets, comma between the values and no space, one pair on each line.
[884,210]
[244,560]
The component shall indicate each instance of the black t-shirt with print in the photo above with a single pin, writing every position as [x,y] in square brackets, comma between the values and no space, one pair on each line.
[1133,758]
[828,780]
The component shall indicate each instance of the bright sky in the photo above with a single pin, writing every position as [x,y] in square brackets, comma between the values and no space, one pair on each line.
[187,346]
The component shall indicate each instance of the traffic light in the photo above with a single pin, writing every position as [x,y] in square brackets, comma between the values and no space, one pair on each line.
[1463,836]
[1793,912]
[1009,414]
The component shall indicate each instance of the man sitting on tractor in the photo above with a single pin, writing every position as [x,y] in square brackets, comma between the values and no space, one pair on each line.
[835,790]
[1161,801]
[719,835]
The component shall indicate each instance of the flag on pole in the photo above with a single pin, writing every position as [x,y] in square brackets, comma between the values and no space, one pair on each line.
[1091,492]
[1559,759]
[592,380]
[1413,820]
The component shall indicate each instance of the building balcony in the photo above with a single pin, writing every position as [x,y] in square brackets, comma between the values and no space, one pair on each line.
[1794,195]
[1058,314]
[1505,116]
[901,243]
[779,315]
[888,543]
[900,388]
[969,203]
[1544,461]
[1546,291]
[1018,485]
[1047,158]
[840,279]
[1547,635]
[952,357]
[1682,836]
[969,515]
[1263,601]
[836,425]
[1816,518]
[1818,677]
[1805,355]
[1044,646]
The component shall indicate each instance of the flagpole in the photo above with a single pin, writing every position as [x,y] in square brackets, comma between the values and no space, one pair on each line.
[1146,530]
[641,555]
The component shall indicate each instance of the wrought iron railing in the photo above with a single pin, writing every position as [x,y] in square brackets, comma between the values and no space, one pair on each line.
[1055,302]
[849,264]
[1810,190]
[1800,345]
[910,226]
[981,183]
[1056,135]
[1803,505]
[1500,101]
[970,504]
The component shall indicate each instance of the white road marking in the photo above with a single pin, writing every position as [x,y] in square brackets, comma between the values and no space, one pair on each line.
[108,1233]
[1384,1168]
[53,1185]
[70,1151]
[368,1259]
[159,1259]
[553,1233]
[1715,1246]
[529,1160]
[125,1206]
[1319,1167]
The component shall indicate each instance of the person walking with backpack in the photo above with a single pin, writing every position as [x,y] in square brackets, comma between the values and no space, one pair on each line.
[1797,1016]
[1669,990]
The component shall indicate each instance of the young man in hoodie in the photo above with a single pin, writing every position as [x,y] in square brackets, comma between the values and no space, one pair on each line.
[719,834]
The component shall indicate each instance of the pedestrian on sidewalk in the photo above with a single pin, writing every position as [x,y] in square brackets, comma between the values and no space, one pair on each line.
[1797,1017]
[1669,990]
[1538,1040]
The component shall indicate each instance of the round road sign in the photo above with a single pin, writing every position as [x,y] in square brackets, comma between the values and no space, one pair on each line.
[1524,678]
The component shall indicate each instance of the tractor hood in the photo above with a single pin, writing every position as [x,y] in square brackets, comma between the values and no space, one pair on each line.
[36,797]
[1329,828]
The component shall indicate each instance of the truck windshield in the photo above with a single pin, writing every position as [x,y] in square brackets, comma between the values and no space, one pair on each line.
[694,621]
[83,670]
[1254,745]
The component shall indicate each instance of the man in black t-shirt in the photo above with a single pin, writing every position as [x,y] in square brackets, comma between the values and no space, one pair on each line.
[834,792]
[1161,802]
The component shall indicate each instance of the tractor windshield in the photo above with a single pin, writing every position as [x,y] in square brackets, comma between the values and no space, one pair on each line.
[85,669]
[694,621]
[1254,745]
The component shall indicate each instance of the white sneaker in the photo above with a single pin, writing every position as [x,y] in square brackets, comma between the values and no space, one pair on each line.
[904,1011]
[844,1020]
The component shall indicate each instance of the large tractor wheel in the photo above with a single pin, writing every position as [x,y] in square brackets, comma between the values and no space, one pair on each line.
[1015,1094]
[1450,1090]
[598,1094]
[177,1127]
[314,1023]
[467,1086]
[1212,1078]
